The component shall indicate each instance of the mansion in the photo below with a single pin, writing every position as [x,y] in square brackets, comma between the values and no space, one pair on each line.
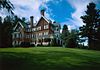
[42,32]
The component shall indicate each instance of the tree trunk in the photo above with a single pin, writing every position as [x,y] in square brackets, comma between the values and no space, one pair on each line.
[91,43]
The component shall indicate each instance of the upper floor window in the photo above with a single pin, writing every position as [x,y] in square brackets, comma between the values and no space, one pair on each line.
[40,34]
[46,26]
[29,30]
[57,29]
[34,29]
[39,28]
[45,33]
[17,35]
[18,29]
[28,36]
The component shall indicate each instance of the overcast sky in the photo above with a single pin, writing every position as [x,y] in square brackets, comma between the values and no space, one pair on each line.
[62,11]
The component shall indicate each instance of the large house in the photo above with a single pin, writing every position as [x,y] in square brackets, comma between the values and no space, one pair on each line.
[41,33]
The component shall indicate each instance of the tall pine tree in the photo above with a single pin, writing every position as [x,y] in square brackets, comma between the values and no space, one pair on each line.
[91,20]
[64,35]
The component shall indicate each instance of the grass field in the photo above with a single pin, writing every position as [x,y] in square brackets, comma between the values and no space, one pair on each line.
[46,58]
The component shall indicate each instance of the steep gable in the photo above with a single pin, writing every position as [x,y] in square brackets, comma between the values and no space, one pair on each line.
[18,26]
[43,20]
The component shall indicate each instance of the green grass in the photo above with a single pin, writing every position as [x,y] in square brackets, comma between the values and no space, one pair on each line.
[46,58]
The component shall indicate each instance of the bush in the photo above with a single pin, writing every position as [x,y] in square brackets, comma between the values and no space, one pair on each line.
[39,45]
[25,44]
[32,45]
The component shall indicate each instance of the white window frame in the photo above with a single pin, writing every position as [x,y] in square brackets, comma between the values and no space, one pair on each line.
[46,26]
[34,29]
[45,33]
[39,28]
[40,34]
[17,35]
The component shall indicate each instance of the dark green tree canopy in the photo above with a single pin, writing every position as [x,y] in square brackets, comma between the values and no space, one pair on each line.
[92,24]
[65,27]
[7,4]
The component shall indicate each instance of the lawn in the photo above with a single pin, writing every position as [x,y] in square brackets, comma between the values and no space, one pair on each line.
[49,58]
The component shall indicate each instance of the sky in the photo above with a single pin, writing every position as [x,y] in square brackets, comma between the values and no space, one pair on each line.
[62,11]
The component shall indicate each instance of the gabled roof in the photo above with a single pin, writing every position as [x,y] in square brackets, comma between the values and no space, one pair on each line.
[17,25]
[44,19]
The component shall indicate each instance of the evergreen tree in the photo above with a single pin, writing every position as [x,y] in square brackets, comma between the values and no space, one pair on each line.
[6,36]
[0,31]
[73,38]
[64,35]
[7,4]
[91,22]
[5,26]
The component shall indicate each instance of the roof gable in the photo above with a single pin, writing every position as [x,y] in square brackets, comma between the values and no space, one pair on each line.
[19,23]
[44,18]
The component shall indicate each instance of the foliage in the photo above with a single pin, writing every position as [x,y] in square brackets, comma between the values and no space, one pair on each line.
[70,39]
[25,44]
[91,27]
[7,4]
[6,25]
[53,42]
[5,31]
[47,40]
[73,39]
[64,35]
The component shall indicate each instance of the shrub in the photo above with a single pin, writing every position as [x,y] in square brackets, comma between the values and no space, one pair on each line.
[25,44]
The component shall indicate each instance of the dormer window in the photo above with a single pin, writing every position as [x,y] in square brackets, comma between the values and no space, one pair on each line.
[46,26]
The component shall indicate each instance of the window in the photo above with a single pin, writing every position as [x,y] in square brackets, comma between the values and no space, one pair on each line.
[34,29]
[32,36]
[36,35]
[28,30]
[39,28]
[18,29]
[45,33]
[17,35]
[40,34]
[57,29]
[28,36]
[46,26]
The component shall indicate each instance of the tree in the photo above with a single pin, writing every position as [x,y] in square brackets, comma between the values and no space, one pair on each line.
[73,38]
[7,4]
[5,27]
[6,37]
[91,20]
[69,38]
[64,35]
[6,30]
[0,31]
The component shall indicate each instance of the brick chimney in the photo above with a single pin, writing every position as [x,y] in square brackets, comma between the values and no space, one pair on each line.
[31,21]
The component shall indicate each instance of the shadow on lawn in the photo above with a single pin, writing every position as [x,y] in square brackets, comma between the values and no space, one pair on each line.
[55,60]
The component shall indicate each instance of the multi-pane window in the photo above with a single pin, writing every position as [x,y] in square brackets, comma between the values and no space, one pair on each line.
[17,35]
[45,33]
[36,35]
[39,28]
[34,29]
[32,36]
[28,36]
[40,34]
[46,26]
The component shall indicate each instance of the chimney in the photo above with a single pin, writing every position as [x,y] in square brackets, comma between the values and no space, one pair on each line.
[31,21]
[42,12]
